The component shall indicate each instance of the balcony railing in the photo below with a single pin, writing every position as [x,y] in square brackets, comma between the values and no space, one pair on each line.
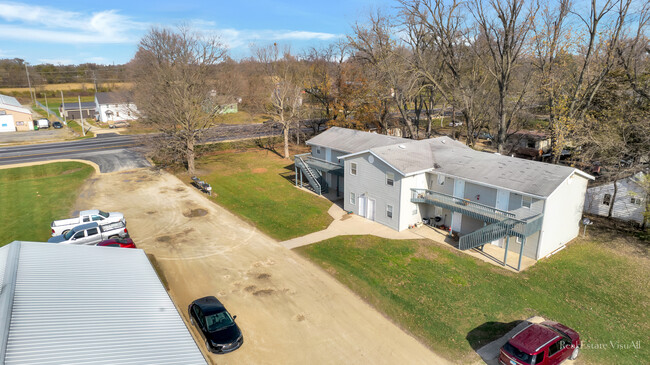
[467,207]
[322,165]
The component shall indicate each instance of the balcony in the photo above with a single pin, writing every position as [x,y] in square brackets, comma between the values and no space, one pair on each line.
[463,206]
[322,165]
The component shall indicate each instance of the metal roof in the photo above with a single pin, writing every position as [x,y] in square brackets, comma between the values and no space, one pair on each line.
[75,105]
[352,140]
[449,157]
[9,102]
[86,304]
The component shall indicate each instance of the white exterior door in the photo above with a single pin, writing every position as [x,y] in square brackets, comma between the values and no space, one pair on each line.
[456,219]
[371,209]
[362,206]
[459,192]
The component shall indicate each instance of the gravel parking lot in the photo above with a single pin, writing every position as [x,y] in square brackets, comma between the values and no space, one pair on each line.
[290,311]
[39,136]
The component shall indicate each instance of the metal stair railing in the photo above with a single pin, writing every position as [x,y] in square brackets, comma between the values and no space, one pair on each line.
[311,177]
[486,234]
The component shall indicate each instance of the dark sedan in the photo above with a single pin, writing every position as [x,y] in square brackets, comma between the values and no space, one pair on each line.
[216,325]
[57,125]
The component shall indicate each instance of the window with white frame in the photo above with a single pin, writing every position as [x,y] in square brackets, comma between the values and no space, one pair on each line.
[318,150]
[526,201]
[441,180]
[607,199]
[635,200]
[353,168]
[390,178]
[389,211]
[353,198]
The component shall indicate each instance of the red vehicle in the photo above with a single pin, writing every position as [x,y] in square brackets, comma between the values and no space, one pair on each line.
[118,242]
[547,343]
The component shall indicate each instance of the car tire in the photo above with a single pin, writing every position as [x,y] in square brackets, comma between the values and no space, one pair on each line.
[66,231]
[113,237]
[575,353]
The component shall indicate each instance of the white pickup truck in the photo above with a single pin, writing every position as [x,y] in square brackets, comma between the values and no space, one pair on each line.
[85,216]
[92,233]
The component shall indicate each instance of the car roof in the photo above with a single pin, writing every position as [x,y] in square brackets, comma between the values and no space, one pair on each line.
[89,212]
[81,227]
[210,305]
[532,338]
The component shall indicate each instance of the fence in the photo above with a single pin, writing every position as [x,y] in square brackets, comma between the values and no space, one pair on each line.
[53,114]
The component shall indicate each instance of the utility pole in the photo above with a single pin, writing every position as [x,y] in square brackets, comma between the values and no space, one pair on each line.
[63,108]
[47,107]
[83,129]
[29,83]
[95,81]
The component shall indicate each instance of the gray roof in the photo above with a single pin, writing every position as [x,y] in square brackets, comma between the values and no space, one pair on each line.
[450,157]
[75,304]
[75,105]
[352,140]
[9,100]
[114,97]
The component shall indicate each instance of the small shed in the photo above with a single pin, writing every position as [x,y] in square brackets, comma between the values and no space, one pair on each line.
[75,304]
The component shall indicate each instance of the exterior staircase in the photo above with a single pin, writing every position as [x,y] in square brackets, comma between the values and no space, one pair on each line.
[314,177]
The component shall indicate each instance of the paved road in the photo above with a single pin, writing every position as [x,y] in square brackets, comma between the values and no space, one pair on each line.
[114,152]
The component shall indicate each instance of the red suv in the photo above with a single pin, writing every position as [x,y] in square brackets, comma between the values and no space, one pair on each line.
[547,343]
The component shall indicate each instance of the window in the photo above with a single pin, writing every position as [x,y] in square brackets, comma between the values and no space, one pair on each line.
[441,180]
[389,211]
[526,201]
[92,231]
[353,198]
[97,218]
[636,201]
[86,219]
[607,199]
[318,150]
[539,358]
[556,347]
[353,168]
[390,178]
[79,235]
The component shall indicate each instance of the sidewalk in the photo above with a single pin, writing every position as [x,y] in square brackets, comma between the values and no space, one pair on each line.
[349,224]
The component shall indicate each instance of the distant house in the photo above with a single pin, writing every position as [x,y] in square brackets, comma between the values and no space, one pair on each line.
[628,204]
[115,106]
[13,116]
[76,304]
[526,206]
[71,110]
[529,144]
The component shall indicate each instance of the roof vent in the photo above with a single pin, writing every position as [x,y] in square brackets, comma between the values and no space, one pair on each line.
[401,146]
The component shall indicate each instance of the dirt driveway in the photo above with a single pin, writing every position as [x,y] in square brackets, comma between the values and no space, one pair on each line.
[290,311]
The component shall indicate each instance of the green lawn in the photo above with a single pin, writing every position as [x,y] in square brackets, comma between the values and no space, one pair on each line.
[455,303]
[32,197]
[255,185]
[77,128]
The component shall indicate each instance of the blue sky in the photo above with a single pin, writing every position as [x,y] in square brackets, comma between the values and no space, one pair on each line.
[106,32]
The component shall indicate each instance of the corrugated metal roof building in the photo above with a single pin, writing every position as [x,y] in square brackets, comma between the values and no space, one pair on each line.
[69,304]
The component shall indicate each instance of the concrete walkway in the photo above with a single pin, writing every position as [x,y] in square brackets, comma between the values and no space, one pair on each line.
[349,224]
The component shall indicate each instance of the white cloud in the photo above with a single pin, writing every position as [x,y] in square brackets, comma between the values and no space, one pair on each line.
[45,24]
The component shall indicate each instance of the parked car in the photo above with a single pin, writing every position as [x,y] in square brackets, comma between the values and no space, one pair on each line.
[119,124]
[85,216]
[547,343]
[455,124]
[43,123]
[57,125]
[216,325]
[92,233]
[484,135]
[118,242]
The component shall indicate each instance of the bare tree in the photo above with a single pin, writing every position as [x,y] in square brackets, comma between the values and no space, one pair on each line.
[504,27]
[174,83]
[284,101]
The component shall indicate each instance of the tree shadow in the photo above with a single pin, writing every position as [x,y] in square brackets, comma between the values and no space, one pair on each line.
[488,332]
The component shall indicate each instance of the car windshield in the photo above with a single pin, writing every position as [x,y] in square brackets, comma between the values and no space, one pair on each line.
[218,321]
[69,234]
[518,354]
[103,214]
